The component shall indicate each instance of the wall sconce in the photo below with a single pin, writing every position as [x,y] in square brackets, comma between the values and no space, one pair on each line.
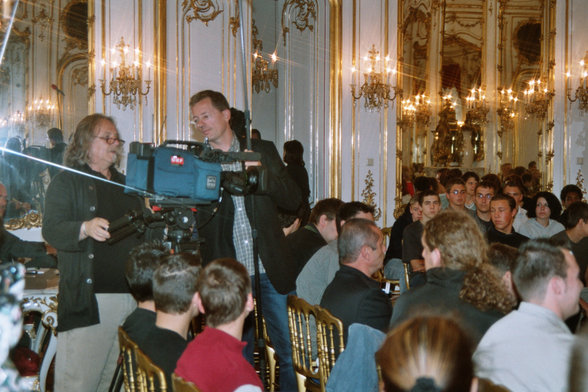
[40,112]
[417,109]
[263,76]
[126,81]
[507,110]
[15,118]
[376,88]
[537,99]
[582,90]
[477,107]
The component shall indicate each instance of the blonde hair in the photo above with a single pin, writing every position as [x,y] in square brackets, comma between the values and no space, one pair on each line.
[429,350]
[458,238]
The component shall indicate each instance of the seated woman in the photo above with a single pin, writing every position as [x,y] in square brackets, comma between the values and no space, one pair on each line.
[429,353]
[542,222]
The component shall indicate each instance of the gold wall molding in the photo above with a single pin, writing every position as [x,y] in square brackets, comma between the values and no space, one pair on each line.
[304,12]
[234,22]
[203,10]
[369,196]
[335,95]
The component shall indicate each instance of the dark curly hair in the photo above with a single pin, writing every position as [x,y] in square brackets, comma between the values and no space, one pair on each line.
[552,202]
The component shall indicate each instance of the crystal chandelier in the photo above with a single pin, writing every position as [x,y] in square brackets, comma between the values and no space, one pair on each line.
[507,110]
[477,107]
[376,89]
[40,112]
[126,81]
[537,99]
[263,73]
[416,110]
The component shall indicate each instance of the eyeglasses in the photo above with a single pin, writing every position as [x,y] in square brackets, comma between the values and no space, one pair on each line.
[110,140]
[482,196]
[458,192]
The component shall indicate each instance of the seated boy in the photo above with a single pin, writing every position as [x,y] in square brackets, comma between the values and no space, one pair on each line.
[214,360]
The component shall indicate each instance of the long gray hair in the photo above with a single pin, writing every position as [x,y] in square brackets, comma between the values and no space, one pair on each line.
[77,153]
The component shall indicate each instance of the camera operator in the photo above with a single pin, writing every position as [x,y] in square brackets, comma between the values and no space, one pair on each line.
[93,294]
[228,231]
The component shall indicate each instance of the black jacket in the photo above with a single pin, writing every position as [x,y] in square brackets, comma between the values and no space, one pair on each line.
[354,297]
[215,222]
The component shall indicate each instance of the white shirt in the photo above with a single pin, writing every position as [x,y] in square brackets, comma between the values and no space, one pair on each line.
[520,218]
[534,229]
[527,350]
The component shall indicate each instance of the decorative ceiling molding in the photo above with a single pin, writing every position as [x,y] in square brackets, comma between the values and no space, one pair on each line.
[204,10]
[302,11]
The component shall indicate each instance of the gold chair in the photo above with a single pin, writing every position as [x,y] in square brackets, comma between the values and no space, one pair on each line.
[129,364]
[330,343]
[181,385]
[300,322]
[270,353]
[406,275]
[152,378]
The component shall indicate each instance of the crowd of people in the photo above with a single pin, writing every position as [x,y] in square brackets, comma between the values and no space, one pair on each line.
[495,273]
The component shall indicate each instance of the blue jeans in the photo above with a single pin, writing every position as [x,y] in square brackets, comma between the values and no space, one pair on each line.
[276,319]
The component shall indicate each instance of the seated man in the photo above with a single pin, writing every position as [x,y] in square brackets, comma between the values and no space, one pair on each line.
[174,293]
[482,196]
[456,194]
[412,248]
[353,296]
[13,248]
[502,212]
[529,349]
[502,258]
[576,234]
[569,194]
[320,230]
[454,250]
[214,361]
[142,263]
[322,266]
[513,187]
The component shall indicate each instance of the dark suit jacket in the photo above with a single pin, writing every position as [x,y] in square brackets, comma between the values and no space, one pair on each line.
[354,297]
[215,222]
[303,244]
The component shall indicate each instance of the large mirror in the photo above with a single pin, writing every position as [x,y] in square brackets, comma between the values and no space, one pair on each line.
[475,85]
[43,85]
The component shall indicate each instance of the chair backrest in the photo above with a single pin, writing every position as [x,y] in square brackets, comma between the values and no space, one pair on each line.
[152,378]
[129,362]
[330,342]
[181,385]
[301,322]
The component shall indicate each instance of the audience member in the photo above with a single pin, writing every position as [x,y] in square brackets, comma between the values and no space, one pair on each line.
[12,248]
[569,194]
[503,257]
[505,170]
[471,181]
[484,193]
[255,134]
[427,353]
[513,187]
[393,268]
[213,361]
[456,194]
[321,229]
[529,349]
[57,150]
[324,264]
[503,211]
[494,181]
[174,293]
[576,234]
[353,296]
[542,221]
[459,279]
[141,264]
[412,247]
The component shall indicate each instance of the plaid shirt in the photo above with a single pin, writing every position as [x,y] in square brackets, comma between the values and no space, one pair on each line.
[242,237]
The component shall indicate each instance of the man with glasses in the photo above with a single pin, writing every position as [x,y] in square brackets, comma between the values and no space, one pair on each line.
[456,195]
[483,194]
